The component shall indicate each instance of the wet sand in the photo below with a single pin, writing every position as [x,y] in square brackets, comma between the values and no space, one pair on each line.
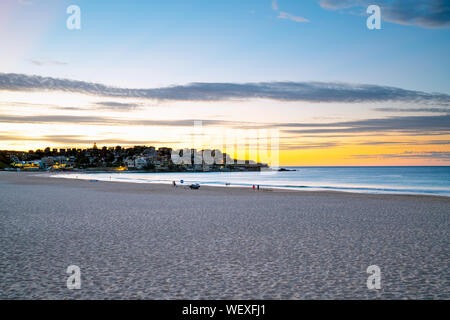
[150,241]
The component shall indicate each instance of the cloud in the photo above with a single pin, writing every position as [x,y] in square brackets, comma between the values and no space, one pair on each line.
[380,143]
[78,139]
[412,124]
[430,155]
[102,105]
[433,110]
[281,91]
[116,106]
[334,144]
[98,120]
[411,142]
[42,62]
[294,146]
[285,15]
[340,4]
[423,13]
[61,119]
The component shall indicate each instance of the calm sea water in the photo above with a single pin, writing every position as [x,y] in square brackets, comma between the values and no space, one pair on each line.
[408,180]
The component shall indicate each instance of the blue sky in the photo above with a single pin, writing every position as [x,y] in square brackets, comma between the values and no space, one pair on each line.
[155,43]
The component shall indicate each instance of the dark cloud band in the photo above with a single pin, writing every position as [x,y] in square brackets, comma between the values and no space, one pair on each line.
[413,124]
[416,125]
[281,91]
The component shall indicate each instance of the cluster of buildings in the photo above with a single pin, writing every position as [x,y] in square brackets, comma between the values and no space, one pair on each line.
[119,159]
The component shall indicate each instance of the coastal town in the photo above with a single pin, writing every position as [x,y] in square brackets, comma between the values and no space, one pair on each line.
[118,158]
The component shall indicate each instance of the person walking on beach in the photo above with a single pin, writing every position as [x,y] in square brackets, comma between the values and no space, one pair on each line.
[174,184]
[253,187]
[257,187]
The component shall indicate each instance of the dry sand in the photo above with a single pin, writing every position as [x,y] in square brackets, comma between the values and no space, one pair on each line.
[155,242]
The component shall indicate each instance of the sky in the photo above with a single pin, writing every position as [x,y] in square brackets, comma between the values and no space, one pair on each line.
[309,72]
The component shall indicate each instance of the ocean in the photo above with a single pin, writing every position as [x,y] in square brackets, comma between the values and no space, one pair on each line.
[433,180]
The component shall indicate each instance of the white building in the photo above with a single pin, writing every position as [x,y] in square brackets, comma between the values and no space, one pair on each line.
[140,163]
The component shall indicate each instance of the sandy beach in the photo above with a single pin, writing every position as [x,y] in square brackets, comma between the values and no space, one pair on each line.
[152,241]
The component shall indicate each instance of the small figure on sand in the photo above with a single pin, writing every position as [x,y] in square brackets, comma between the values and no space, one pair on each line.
[257,187]
[253,187]
[174,184]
